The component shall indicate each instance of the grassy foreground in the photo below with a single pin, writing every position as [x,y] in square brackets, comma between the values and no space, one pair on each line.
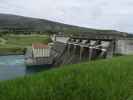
[110,79]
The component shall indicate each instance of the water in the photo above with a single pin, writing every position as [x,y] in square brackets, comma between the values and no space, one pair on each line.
[13,66]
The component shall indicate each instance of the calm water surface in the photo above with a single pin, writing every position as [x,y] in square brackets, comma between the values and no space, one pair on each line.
[13,66]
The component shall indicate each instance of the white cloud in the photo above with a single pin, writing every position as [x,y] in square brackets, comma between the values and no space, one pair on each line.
[103,14]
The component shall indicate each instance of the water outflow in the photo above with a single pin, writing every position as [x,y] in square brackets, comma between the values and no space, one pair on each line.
[12,60]
[13,66]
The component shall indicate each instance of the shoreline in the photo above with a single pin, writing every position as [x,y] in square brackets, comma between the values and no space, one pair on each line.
[9,54]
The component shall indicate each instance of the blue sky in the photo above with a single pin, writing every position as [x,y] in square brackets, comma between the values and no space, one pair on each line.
[101,14]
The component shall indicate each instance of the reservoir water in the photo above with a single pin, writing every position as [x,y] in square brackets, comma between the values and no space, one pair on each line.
[13,66]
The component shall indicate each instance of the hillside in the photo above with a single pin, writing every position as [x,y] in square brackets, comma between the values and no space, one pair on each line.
[20,24]
[110,79]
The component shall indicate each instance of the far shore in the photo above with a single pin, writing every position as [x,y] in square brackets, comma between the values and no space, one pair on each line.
[9,54]
[12,44]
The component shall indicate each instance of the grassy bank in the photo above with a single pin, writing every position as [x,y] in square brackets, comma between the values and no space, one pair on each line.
[12,50]
[110,79]
[17,43]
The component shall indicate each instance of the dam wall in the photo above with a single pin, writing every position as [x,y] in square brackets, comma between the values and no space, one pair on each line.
[70,50]
[58,51]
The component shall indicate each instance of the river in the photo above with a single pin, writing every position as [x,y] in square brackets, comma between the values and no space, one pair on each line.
[13,66]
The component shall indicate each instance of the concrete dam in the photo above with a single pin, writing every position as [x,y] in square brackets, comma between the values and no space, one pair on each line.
[71,49]
[77,48]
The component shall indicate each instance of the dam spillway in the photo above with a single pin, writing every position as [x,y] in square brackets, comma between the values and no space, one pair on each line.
[89,47]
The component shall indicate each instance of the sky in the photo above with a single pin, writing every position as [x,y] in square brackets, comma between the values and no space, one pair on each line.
[99,14]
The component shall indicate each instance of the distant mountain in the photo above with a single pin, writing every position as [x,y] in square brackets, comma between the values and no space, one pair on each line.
[14,23]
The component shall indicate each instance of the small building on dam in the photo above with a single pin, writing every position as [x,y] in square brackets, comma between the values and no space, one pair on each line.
[39,54]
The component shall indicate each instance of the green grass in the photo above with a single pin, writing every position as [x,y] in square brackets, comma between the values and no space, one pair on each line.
[110,79]
[11,50]
[25,40]
[18,43]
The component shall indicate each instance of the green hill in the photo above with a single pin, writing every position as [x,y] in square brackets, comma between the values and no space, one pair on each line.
[20,24]
[14,23]
[110,79]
